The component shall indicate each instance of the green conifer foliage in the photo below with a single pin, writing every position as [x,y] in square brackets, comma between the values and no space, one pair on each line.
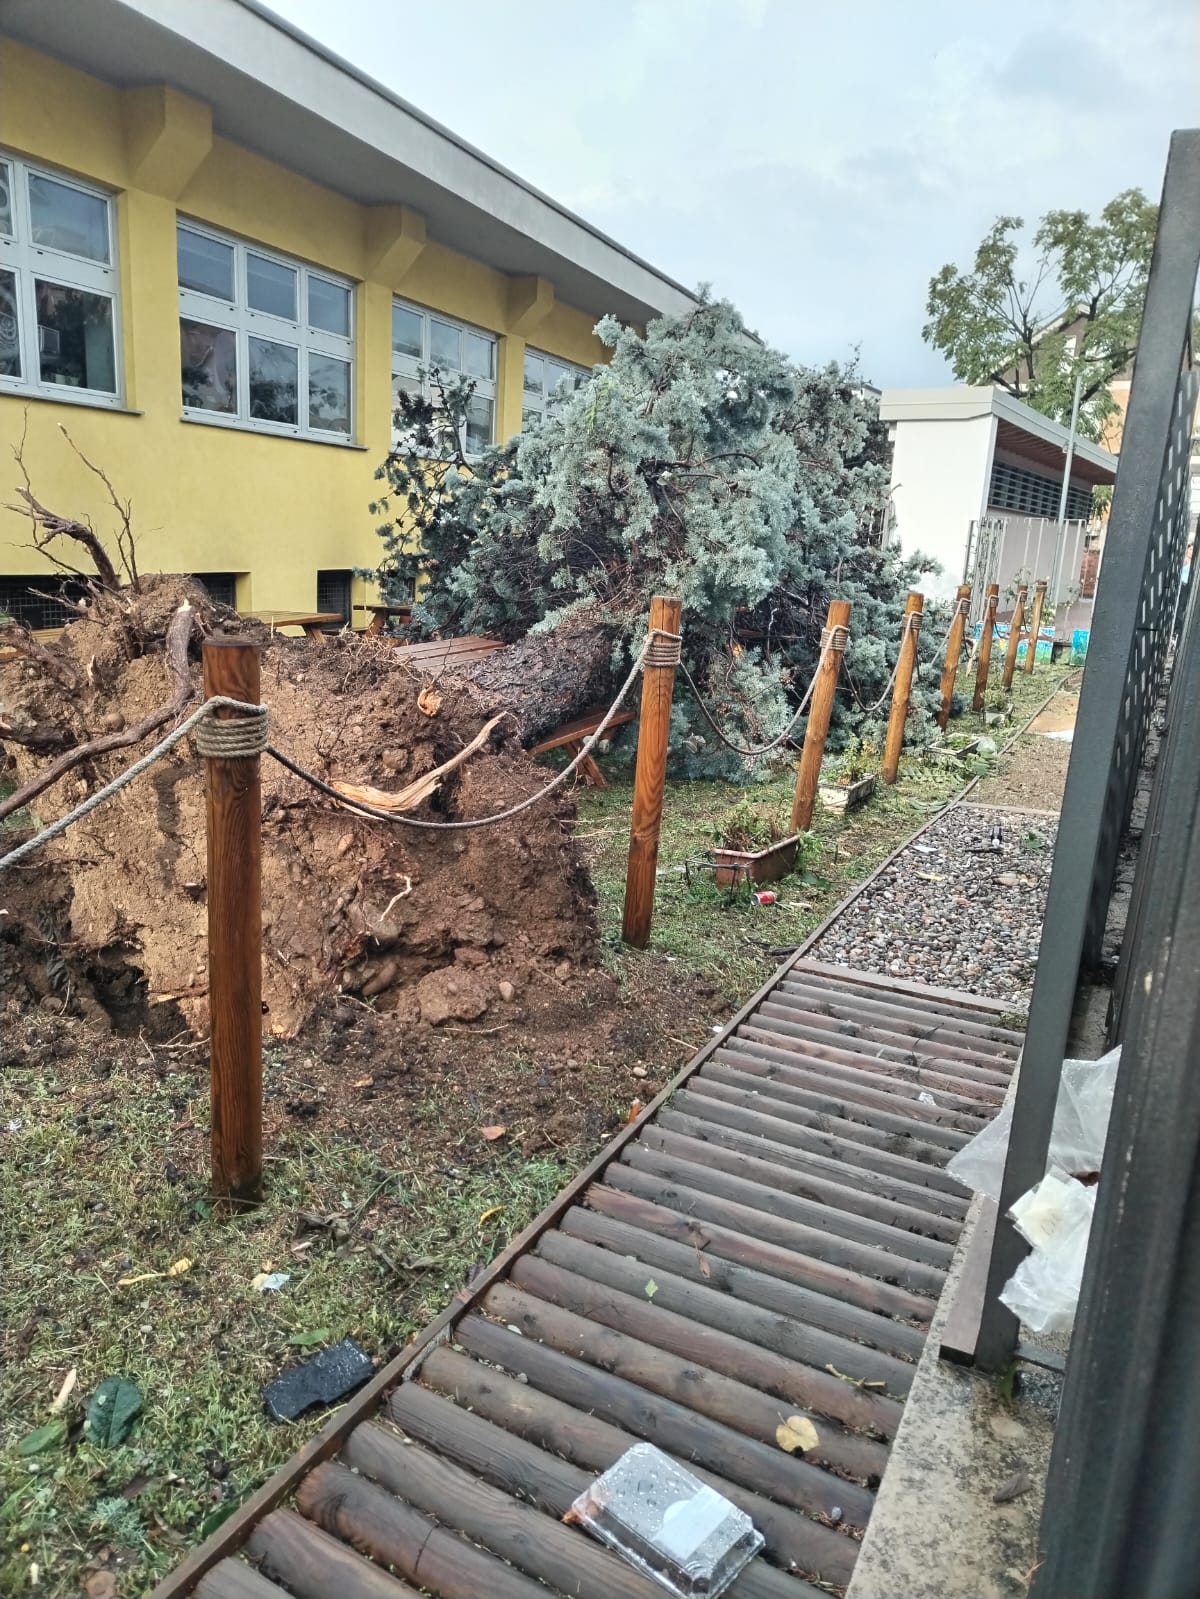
[698,462]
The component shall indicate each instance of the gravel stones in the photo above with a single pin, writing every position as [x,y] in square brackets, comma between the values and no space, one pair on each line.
[961,908]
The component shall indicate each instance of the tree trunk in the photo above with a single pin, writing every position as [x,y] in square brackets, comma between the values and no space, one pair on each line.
[545,680]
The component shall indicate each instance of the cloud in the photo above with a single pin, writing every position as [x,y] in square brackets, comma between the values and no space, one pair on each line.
[1065,67]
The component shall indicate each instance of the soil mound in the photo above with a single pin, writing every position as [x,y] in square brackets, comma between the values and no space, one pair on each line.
[429,925]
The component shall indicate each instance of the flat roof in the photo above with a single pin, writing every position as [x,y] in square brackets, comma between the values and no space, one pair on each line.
[1020,428]
[276,91]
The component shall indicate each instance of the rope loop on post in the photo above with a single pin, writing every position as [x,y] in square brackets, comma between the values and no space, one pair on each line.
[236,738]
[964,606]
[663,648]
[835,638]
[912,622]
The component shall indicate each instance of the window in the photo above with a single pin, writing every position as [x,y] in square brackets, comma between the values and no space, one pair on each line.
[221,587]
[421,339]
[333,594]
[264,342]
[548,383]
[58,285]
[1017,488]
[30,600]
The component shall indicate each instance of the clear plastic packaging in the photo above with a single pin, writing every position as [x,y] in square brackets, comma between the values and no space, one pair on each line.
[668,1524]
[1055,1217]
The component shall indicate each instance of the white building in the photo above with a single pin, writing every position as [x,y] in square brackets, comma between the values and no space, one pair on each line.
[976,483]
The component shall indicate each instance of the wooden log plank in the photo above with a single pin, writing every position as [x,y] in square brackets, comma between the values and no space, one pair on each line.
[976,1086]
[928,995]
[782,1066]
[745,1066]
[1002,1043]
[739,1340]
[701,1444]
[396,1534]
[813,1269]
[813,1223]
[960,1332]
[855,1215]
[314,1565]
[806,1174]
[875,1172]
[814,1016]
[234,1579]
[537,1544]
[565,1436]
[705,1392]
[706,1287]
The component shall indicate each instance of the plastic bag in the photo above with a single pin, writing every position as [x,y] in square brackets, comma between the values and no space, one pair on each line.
[668,1524]
[1081,1114]
[1055,1217]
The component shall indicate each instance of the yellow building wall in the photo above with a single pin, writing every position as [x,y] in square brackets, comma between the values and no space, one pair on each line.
[212,498]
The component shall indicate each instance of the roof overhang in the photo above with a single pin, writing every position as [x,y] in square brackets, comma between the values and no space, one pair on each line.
[274,90]
[1019,428]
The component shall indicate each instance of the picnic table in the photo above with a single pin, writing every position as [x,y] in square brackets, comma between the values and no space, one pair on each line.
[381,614]
[314,623]
[571,735]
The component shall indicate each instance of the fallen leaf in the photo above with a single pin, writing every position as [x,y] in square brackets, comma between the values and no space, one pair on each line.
[111,1413]
[177,1270]
[429,701]
[180,1266]
[48,1436]
[931,877]
[492,1133]
[64,1393]
[705,1268]
[270,1282]
[797,1432]
[488,1214]
[635,1110]
[363,1082]
[651,1289]
[344,843]
[1016,1485]
[305,1340]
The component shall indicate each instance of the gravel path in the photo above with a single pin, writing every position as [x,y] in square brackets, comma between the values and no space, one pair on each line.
[954,911]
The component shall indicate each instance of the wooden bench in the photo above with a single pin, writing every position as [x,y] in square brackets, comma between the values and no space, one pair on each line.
[433,653]
[571,735]
[382,613]
[313,623]
[40,635]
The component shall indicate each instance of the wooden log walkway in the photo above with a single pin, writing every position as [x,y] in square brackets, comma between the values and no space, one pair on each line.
[768,1240]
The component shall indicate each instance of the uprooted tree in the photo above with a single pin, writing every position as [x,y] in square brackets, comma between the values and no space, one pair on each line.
[698,462]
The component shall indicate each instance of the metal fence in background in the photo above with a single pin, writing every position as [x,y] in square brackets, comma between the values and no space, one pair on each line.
[1132,627]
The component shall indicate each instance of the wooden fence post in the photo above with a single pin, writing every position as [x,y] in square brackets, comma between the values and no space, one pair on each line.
[1035,623]
[235,937]
[985,645]
[658,687]
[1014,636]
[808,772]
[954,644]
[902,692]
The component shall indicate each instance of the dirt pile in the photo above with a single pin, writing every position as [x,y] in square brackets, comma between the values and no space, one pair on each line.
[438,927]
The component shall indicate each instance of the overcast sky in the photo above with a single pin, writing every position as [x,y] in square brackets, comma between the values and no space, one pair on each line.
[814,160]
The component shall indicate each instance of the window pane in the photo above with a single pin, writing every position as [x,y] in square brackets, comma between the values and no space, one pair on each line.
[205,264]
[328,394]
[329,306]
[479,424]
[274,380]
[10,344]
[208,362]
[534,368]
[67,219]
[481,356]
[444,345]
[530,419]
[270,286]
[406,331]
[6,225]
[75,338]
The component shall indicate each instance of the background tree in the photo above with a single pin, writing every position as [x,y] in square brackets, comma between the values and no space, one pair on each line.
[1033,319]
[699,462]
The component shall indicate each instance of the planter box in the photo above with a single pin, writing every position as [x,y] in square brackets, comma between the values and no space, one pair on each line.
[844,797]
[759,866]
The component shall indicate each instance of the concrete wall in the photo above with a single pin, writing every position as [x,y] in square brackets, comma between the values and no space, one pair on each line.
[219,499]
[940,473]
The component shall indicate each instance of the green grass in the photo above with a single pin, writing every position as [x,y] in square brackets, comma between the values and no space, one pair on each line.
[82,1208]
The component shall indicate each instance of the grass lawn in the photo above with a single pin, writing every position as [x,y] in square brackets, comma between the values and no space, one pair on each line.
[103,1149]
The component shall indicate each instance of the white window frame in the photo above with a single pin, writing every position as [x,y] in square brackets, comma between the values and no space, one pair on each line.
[404,367]
[554,369]
[29,261]
[237,316]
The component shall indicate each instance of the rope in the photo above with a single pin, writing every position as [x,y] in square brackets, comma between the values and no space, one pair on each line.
[912,624]
[827,644]
[233,739]
[664,649]
[256,714]
[835,637]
